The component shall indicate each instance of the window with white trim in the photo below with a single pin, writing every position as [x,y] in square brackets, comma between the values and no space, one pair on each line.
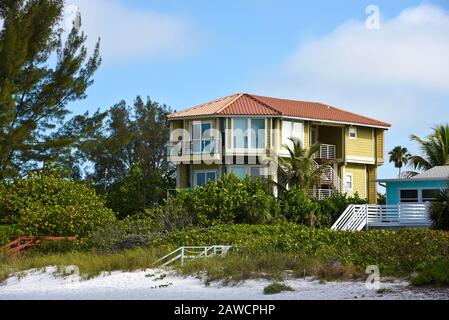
[409,196]
[292,129]
[349,181]
[353,133]
[429,195]
[248,133]
[239,172]
[202,177]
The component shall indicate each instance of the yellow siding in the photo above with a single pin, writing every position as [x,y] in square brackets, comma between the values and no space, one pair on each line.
[372,185]
[363,146]
[380,136]
[358,172]
[268,133]
[182,176]
[306,134]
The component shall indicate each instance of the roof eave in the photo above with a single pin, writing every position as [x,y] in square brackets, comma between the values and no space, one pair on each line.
[413,179]
[385,127]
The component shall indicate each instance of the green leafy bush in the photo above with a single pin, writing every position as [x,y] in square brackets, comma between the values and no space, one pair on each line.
[276,288]
[299,208]
[229,200]
[47,205]
[9,233]
[132,232]
[439,211]
[435,273]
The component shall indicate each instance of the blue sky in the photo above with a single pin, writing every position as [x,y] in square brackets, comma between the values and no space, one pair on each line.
[183,53]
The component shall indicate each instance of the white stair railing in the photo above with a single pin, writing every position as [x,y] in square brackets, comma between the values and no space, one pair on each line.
[357,217]
[354,218]
[184,253]
[331,175]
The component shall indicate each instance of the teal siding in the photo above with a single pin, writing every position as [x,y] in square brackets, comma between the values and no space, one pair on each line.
[394,187]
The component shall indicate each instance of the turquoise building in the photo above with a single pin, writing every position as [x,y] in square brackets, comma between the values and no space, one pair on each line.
[421,188]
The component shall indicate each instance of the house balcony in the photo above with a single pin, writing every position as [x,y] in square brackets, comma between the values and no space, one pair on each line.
[197,149]
[326,152]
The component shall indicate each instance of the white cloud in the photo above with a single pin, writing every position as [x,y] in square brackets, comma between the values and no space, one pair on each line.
[399,73]
[128,34]
[411,49]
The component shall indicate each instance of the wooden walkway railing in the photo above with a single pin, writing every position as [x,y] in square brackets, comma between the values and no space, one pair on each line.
[22,244]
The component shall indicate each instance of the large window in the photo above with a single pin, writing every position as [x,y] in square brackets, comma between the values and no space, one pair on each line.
[201,136]
[409,196]
[249,133]
[240,133]
[418,195]
[257,133]
[291,129]
[430,194]
[242,172]
[203,177]
[239,172]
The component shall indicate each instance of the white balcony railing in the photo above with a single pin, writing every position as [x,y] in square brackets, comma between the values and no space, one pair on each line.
[320,194]
[194,147]
[326,152]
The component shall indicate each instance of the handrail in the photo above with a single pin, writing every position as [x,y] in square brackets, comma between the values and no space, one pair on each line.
[332,176]
[183,253]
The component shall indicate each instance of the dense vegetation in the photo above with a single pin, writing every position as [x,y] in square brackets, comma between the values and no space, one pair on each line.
[48,205]
[269,251]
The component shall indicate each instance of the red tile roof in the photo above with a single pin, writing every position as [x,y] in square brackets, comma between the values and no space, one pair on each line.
[245,104]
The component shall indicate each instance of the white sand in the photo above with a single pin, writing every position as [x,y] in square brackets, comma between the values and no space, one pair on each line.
[39,284]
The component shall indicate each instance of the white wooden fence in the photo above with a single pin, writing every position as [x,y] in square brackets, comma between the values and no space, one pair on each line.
[359,217]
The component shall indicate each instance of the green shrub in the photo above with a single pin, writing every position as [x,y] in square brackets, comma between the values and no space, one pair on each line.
[276,288]
[299,208]
[8,233]
[439,211]
[132,232]
[229,200]
[47,205]
[435,273]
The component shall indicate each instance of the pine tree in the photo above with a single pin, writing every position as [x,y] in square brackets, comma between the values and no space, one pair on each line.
[34,92]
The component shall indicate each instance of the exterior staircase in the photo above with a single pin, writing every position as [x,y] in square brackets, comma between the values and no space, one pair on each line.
[331,178]
[354,218]
[365,216]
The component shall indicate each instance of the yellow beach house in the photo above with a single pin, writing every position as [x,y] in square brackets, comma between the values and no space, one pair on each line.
[241,133]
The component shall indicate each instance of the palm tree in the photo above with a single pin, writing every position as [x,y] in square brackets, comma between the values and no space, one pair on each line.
[435,149]
[400,156]
[300,169]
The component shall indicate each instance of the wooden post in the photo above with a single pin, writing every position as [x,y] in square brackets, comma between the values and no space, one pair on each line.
[182,256]
[366,208]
